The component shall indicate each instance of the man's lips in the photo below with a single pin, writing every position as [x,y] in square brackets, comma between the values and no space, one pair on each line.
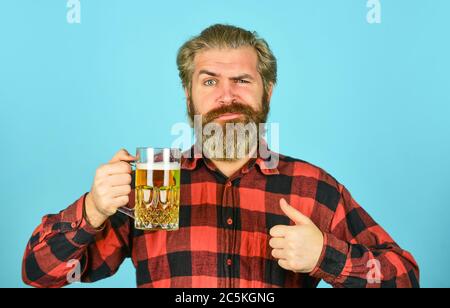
[229,116]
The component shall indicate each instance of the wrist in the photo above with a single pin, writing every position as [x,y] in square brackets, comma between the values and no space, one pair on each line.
[90,213]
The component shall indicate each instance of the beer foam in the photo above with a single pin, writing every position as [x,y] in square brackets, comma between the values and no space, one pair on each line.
[158,166]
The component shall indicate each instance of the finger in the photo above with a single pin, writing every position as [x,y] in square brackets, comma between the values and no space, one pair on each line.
[119,179]
[118,191]
[120,167]
[284,264]
[279,231]
[295,215]
[122,154]
[277,242]
[278,253]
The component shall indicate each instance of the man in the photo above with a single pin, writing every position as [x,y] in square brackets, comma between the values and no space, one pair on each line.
[244,222]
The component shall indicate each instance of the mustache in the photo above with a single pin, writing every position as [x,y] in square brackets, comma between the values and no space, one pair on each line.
[247,111]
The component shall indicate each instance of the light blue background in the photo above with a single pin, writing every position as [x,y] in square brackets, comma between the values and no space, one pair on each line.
[367,102]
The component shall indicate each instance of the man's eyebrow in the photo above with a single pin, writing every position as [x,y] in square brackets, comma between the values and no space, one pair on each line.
[242,76]
[208,73]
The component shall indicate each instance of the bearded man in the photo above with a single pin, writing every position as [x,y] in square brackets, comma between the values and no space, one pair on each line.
[245,221]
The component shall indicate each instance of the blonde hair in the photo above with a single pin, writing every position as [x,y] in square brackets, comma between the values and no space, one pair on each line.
[227,36]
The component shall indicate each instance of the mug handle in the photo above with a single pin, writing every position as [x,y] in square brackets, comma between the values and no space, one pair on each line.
[126,210]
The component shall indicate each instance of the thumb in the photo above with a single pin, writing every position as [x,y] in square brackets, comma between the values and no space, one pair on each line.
[293,214]
[122,155]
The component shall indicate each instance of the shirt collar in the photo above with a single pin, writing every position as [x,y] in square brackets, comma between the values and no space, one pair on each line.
[189,161]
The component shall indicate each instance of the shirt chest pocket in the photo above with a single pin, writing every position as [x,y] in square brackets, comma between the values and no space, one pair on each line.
[255,244]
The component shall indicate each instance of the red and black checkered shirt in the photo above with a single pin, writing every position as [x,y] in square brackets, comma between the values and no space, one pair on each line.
[223,240]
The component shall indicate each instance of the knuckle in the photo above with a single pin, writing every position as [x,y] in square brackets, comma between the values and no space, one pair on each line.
[291,245]
[290,235]
[125,166]
[103,169]
[98,181]
[99,170]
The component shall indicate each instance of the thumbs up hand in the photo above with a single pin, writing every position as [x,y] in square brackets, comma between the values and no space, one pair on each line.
[297,248]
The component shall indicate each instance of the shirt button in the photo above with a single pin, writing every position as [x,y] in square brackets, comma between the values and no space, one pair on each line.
[73,225]
[228,262]
[228,184]
[229,221]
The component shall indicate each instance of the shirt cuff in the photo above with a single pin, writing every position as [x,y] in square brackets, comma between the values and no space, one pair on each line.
[73,220]
[332,259]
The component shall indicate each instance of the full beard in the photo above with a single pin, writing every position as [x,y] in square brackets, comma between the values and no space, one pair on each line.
[230,140]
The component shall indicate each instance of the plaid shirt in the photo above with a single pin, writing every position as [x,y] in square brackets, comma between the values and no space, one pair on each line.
[223,240]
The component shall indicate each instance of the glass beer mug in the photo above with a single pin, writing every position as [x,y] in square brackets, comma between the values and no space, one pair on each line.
[157,189]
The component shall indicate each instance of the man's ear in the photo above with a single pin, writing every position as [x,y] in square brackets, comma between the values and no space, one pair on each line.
[186,93]
[269,93]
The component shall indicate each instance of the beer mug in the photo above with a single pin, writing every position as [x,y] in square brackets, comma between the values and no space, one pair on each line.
[157,189]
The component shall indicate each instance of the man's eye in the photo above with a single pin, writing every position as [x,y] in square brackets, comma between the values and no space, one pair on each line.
[241,81]
[210,82]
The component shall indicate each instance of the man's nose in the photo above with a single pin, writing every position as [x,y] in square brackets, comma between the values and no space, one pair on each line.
[227,93]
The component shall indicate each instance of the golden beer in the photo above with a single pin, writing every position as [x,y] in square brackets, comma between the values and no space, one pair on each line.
[157,196]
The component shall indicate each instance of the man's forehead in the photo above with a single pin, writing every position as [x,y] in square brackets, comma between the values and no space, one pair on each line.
[239,59]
